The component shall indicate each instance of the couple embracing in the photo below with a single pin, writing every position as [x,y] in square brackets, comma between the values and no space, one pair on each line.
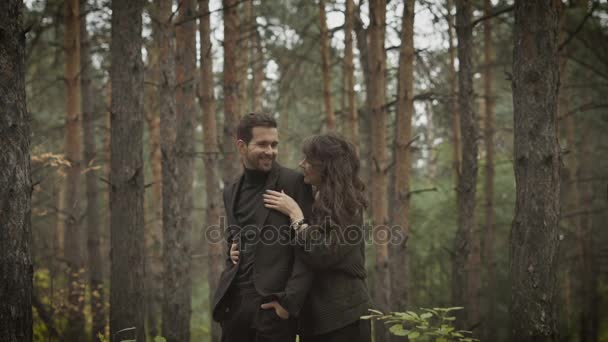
[287,270]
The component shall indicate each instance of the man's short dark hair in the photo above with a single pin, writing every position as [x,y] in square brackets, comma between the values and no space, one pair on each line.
[244,130]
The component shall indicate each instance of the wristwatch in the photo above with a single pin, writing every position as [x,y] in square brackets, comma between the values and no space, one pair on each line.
[298,224]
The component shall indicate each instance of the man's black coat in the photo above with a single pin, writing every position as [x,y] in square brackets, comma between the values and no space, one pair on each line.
[277,273]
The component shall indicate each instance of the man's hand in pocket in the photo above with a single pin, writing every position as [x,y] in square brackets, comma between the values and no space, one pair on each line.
[234,253]
[281,312]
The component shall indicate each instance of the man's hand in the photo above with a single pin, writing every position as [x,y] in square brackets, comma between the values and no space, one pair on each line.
[234,253]
[281,312]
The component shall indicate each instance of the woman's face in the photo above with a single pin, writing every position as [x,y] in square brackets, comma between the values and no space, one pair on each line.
[312,173]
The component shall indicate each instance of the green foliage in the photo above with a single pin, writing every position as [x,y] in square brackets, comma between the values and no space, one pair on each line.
[431,325]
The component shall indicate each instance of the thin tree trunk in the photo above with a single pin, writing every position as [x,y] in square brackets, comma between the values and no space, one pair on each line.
[154,227]
[244,56]
[580,274]
[231,165]
[490,323]
[350,102]
[534,235]
[72,233]
[98,316]
[400,259]
[430,135]
[178,260]
[168,135]
[212,154]
[257,66]
[127,308]
[376,93]
[16,269]
[453,102]
[330,119]
[466,269]
[284,124]
[362,35]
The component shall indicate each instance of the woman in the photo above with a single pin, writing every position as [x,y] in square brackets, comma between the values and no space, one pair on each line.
[331,242]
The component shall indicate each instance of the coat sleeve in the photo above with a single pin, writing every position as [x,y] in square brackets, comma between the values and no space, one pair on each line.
[229,232]
[324,246]
[300,280]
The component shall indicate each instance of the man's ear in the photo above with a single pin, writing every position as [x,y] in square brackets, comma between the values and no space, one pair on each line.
[241,147]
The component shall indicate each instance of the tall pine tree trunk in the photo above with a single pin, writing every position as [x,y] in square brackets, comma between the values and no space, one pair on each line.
[376,92]
[168,135]
[400,260]
[178,260]
[230,162]
[534,235]
[73,252]
[127,308]
[466,267]
[212,158]
[575,195]
[154,226]
[490,324]
[91,162]
[330,119]
[244,55]
[362,35]
[16,269]
[350,101]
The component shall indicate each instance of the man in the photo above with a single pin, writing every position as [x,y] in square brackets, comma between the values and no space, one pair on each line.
[258,297]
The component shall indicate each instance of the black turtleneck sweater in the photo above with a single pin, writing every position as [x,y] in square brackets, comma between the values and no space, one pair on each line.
[249,200]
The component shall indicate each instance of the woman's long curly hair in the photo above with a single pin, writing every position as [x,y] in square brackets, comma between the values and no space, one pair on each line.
[341,192]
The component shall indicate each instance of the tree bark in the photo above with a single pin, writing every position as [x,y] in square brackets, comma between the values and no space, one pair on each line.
[534,235]
[230,162]
[154,227]
[127,308]
[350,101]
[400,260]
[212,154]
[490,327]
[330,119]
[244,56]
[169,166]
[362,35]
[376,92]
[73,252]
[98,315]
[466,267]
[16,269]
[178,260]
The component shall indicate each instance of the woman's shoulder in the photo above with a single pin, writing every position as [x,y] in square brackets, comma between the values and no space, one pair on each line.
[289,178]
[288,172]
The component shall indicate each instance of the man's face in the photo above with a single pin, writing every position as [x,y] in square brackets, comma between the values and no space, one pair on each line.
[262,150]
